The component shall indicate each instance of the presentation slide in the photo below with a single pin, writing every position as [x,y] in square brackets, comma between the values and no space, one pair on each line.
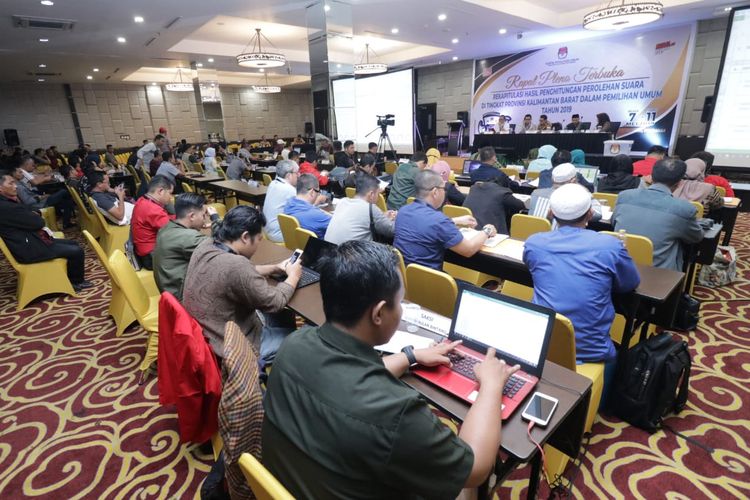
[358,103]
[730,128]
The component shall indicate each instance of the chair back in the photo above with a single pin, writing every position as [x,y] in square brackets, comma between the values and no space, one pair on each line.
[381,203]
[518,291]
[522,226]
[125,277]
[530,176]
[401,266]
[146,175]
[288,224]
[6,251]
[220,171]
[221,209]
[609,199]
[104,226]
[698,209]
[640,248]
[432,289]
[99,251]
[456,211]
[350,192]
[86,218]
[722,191]
[267,180]
[562,345]
[264,485]
[187,188]
[302,235]
[410,199]
[510,172]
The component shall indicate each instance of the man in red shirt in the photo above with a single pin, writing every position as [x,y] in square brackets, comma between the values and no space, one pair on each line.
[646,165]
[310,166]
[150,215]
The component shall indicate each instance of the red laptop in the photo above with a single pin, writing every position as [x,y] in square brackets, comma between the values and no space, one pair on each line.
[518,330]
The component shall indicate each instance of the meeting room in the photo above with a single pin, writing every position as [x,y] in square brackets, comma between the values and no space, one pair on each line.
[374,250]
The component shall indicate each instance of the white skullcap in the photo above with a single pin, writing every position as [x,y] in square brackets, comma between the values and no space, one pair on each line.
[570,202]
[210,152]
[563,173]
[280,141]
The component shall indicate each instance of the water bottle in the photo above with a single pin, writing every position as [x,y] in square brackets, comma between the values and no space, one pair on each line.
[622,234]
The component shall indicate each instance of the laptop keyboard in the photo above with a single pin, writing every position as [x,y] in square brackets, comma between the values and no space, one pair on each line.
[464,365]
[308,277]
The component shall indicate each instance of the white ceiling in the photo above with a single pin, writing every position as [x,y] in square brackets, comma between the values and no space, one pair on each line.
[221,28]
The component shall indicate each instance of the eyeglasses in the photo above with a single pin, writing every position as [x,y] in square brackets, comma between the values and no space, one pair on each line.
[316,190]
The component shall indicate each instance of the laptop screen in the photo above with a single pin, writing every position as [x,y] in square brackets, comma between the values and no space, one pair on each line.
[589,173]
[314,250]
[519,331]
[470,166]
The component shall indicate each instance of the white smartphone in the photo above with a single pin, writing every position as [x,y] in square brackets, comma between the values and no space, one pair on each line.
[540,408]
[296,255]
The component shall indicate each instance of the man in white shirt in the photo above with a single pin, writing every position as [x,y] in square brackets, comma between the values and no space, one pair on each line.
[285,151]
[357,218]
[149,150]
[526,126]
[279,191]
[110,202]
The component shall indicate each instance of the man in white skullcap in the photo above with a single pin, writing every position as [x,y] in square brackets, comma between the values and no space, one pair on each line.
[562,174]
[575,272]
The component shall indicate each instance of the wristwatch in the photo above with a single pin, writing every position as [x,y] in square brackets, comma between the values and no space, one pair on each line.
[409,351]
[487,231]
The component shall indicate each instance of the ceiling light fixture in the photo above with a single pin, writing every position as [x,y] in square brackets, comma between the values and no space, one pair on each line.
[178,84]
[267,89]
[210,59]
[455,58]
[619,14]
[442,17]
[257,58]
[42,65]
[368,68]
[502,31]
[121,39]
[96,70]
[198,65]
[40,79]
[455,40]
[89,77]
[327,7]
[44,40]
[138,19]
[48,3]
[153,83]
[394,31]
[727,9]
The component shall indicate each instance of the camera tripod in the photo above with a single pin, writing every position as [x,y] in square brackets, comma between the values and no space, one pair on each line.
[382,141]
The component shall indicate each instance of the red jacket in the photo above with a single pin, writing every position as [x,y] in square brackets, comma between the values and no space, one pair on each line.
[189,375]
[308,168]
[148,217]
[645,166]
[720,181]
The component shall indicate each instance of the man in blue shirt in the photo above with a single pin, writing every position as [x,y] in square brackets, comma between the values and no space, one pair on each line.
[487,171]
[423,232]
[575,271]
[301,206]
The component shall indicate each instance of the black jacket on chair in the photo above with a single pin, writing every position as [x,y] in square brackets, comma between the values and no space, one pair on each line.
[19,227]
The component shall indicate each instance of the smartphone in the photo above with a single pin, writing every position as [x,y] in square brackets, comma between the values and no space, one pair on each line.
[296,255]
[540,408]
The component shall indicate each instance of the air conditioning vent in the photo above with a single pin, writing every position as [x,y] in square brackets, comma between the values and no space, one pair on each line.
[43,23]
[172,22]
[152,40]
[42,75]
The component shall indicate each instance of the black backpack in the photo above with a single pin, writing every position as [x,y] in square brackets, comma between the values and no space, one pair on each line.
[652,382]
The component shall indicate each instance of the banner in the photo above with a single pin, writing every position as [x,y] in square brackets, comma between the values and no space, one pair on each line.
[638,79]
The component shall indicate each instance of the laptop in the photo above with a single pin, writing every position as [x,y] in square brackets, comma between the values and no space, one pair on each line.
[591,174]
[314,250]
[519,331]
[585,126]
[470,166]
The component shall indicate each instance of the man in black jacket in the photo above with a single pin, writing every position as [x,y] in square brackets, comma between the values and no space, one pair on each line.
[23,232]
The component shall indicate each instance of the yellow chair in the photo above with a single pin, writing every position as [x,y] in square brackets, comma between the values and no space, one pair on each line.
[187,188]
[401,266]
[510,172]
[40,278]
[530,176]
[518,291]
[146,308]
[699,209]
[456,211]
[147,175]
[112,237]
[640,248]
[410,199]
[302,235]
[220,208]
[264,485]
[288,224]
[136,178]
[522,226]
[220,172]
[50,218]
[432,289]
[609,199]
[350,192]
[391,167]
[267,180]
[86,219]
[198,167]
[722,191]
[381,203]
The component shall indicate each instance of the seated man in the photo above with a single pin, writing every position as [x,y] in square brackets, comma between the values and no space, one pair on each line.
[172,169]
[339,423]
[178,239]
[303,206]
[222,285]
[281,190]
[487,171]
[359,217]
[575,271]
[236,168]
[29,196]
[31,178]
[366,166]
[645,166]
[23,232]
[402,186]
[111,202]
[150,215]
[423,232]
[310,166]
[668,222]
[575,122]
[491,203]
[562,174]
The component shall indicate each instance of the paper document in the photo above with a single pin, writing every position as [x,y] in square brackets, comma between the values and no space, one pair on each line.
[491,242]
[534,183]
[523,197]
[606,213]
[510,248]
[402,339]
[383,185]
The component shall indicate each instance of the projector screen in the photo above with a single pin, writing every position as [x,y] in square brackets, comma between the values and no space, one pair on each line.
[358,102]
[729,128]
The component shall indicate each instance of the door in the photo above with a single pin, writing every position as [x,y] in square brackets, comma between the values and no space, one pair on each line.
[426,131]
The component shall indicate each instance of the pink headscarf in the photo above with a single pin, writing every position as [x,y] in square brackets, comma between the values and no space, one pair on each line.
[443,169]
[693,188]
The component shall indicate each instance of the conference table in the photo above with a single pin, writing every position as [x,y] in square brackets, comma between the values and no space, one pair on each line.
[258,173]
[564,432]
[242,190]
[519,145]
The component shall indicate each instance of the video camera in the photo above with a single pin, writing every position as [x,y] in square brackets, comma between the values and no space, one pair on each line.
[385,120]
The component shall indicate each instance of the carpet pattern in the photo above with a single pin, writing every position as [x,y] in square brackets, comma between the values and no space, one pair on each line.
[74,423]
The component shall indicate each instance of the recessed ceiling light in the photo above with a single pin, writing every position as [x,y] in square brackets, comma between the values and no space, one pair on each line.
[210,59]
[89,77]
[394,31]
[327,7]
[198,65]
[40,79]
[455,40]
[121,39]
[42,65]
[44,40]
[338,65]
[502,31]
[47,2]
[455,58]
[442,17]
[138,19]
[96,70]
[262,70]
[726,9]
[153,83]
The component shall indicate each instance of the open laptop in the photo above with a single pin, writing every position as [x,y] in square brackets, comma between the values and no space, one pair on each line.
[470,166]
[591,174]
[585,126]
[314,250]
[519,331]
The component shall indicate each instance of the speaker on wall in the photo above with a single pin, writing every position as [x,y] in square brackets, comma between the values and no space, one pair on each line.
[308,128]
[708,107]
[11,137]
[464,117]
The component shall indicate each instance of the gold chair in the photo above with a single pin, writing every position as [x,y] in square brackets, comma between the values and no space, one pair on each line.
[432,289]
[381,203]
[530,176]
[401,266]
[350,192]
[288,224]
[609,199]
[267,180]
[391,167]
[522,226]
[722,191]
[112,237]
[146,308]
[50,218]
[640,248]
[302,235]
[518,291]
[698,209]
[410,199]
[86,219]
[220,172]
[264,485]
[451,211]
[187,188]
[147,176]
[39,278]
[510,172]
[220,208]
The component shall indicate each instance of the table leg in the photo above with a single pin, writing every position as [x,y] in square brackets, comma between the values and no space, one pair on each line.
[536,467]
[728,220]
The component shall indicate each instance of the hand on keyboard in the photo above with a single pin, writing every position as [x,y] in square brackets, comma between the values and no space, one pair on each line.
[493,371]
[438,354]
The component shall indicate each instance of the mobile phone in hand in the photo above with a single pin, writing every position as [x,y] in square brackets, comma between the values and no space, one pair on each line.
[296,255]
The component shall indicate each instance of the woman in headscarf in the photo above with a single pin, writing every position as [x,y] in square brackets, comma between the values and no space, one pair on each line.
[621,177]
[452,194]
[603,123]
[543,160]
[716,180]
[209,161]
[578,158]
[692,188]
[433,155]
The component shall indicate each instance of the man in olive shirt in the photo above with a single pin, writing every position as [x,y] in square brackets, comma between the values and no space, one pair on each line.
[177,240]
[339,422]
[403,181]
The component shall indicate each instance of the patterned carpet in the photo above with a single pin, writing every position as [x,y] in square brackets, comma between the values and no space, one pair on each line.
[74,423]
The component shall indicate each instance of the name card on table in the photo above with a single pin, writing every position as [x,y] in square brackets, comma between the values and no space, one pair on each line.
[426,319]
